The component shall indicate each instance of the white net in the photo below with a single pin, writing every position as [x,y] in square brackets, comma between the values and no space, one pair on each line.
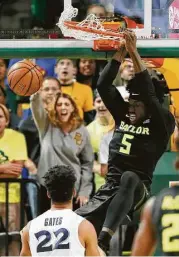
[91,22]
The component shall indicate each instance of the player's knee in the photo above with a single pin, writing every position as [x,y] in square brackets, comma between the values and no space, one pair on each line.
[130,179]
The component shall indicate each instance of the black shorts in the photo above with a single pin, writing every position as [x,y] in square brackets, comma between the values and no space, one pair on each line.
[95,210]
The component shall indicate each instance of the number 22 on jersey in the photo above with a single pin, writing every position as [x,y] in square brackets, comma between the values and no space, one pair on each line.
[170,234]
[126,141]
[45,245]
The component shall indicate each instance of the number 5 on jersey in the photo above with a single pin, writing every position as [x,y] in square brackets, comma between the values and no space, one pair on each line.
[126,141]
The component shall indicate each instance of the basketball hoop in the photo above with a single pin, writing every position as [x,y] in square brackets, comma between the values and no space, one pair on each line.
[89,29]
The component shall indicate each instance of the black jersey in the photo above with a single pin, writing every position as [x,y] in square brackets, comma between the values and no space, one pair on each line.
[135,148]
[165,217]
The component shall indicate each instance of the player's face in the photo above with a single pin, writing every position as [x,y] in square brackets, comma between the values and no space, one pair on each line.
[65,70]
[3,69]
[64,109]
[136,111]
[3,121]
[128,71]
[87,67]
[100,107]
[49,89]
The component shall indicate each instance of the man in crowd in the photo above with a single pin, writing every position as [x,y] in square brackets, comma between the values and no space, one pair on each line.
[81,93]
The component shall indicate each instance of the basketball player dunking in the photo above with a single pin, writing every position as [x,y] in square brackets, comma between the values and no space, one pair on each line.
[59,231]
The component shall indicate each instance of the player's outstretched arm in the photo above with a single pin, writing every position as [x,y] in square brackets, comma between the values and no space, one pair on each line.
[108,92]
[163,119]
[145,240]
[88,236]
[130,44]
[25,251]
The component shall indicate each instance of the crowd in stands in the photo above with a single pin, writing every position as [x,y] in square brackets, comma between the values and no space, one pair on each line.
[33,138]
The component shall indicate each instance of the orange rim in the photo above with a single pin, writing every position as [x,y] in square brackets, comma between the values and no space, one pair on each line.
[73,25]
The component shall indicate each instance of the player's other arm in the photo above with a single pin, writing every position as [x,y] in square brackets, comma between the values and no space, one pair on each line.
[130,44]
[163,119]
[88,238]
[25,251]
[108,92]
[145,239]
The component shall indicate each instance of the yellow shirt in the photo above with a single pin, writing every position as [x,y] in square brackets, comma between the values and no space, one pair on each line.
[96,131]
[82,95]
[12,147]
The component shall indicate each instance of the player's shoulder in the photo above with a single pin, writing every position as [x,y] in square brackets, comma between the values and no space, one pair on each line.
[166,191]
[25,229]
[164,195]
[86,227]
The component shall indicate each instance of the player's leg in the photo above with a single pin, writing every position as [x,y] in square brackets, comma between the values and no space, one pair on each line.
[120,206]
[95,210]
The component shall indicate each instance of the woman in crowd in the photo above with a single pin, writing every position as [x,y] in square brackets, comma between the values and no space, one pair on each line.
[64,141]
[13,154]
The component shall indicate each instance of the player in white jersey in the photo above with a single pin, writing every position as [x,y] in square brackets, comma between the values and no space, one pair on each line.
[59,231]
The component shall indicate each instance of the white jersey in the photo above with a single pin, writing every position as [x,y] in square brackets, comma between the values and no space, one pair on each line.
[55,233]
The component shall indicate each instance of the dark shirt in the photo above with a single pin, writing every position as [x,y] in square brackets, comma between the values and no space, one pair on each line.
[14,121]
[165,218]
[28,128]
[135,148]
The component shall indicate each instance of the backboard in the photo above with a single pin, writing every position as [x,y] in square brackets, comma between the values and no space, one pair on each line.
[135,14]
[156,23]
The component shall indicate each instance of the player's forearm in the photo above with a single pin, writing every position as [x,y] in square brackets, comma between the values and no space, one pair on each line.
[120,54]
[107,76]
[111,69]
[137,61]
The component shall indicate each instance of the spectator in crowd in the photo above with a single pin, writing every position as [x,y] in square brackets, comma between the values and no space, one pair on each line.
[13,153]
[50,87]
[81,93]
[176,131]
[10,96]
[14,119]
[88,72]
[64,141]
[98,9]
[126,73]
[104,151]
[103,123]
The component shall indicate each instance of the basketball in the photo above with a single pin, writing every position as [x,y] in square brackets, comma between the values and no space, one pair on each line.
[25,78]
